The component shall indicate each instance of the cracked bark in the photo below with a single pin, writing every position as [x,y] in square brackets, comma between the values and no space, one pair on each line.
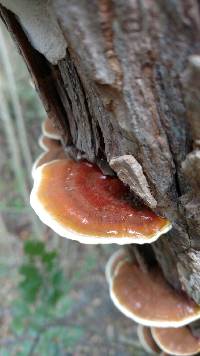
[128,89]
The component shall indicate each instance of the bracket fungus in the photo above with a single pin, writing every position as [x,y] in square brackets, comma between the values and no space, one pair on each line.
[112,263]
[146,339]
[78,202]
[49,130]
[178,341]
[146,297]
[48,144]
[46,157]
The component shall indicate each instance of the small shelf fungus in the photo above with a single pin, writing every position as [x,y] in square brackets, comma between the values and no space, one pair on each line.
[78,202]
[48,144]
[49,130]
[146,297]
[146,339]
[119,255]
[178,341]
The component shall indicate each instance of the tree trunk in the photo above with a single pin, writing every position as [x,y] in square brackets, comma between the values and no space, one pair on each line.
[125,95]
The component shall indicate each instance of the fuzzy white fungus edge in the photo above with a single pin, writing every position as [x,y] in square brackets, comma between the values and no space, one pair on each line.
[144,343]
[35,164]
[109,270]
[53,135]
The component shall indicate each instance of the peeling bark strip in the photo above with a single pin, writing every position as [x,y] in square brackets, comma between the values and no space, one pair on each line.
[130,172]
[38,20]
[118,92]
[41,72]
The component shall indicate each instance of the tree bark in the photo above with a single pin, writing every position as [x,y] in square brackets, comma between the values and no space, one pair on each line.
[126,96]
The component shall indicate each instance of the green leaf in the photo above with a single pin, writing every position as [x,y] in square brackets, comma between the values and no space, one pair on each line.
[49,257]
[57,278]
[29,272]
[30,291]
[55,296]
[31,284]
[34,248]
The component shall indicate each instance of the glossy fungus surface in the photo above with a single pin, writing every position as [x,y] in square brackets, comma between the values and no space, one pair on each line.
[79,202]
[147,298]
[178,341]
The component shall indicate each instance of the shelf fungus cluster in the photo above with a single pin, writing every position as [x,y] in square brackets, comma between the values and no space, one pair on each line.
[162,313]
[79,202]
[50,142]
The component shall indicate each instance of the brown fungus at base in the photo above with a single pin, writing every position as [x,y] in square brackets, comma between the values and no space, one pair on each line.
[78,202]
[48,144]
[146,339]
[113,261]
[178,341]
[49,129]
[147,298]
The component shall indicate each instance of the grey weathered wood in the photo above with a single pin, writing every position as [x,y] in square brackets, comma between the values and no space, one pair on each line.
[126,88]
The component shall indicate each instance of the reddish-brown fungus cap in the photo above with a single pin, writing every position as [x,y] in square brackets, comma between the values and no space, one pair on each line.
[50,130]
[46,157]
[77,201]
[48,144]
[148,299]
[146,339]
[178,341]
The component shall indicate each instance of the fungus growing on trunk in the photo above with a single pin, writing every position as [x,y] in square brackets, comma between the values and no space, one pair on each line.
[113,261]
[48,144]
[46,157]
[146,339]
[50,130]
[147,298]
[178,341]
[78,202]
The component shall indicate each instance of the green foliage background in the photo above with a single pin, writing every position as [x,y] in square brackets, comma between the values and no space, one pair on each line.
[41,314]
